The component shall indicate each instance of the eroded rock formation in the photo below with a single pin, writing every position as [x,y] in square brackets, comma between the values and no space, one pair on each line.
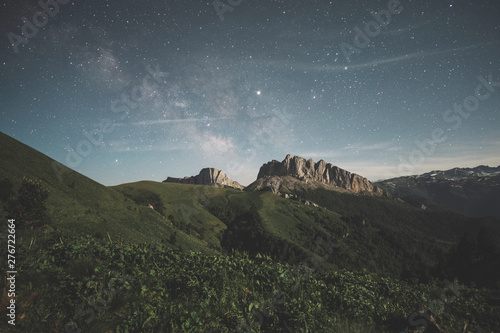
[207,176]
[308,171]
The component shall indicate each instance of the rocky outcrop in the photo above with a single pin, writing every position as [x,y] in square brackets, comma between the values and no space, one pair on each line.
[207,176]
[307,171]
[297,198]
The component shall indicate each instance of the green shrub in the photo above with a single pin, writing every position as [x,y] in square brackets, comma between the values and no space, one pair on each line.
[28,206]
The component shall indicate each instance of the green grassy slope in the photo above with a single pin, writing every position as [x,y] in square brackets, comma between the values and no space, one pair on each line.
[246,243]
[378,235]
[77,204]
[182,204]
[364,232]
[262,222]
[385,211]
[101,287]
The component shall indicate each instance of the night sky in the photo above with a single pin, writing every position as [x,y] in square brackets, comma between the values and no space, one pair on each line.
[123,91]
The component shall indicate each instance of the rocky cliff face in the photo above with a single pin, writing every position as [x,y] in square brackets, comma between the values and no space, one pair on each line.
[322,172]
[207,176]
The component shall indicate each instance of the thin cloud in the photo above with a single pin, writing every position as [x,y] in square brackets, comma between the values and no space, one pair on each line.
[385,61]
[171,121]
[354,67]
[376,146]
[130,146]
[464,156]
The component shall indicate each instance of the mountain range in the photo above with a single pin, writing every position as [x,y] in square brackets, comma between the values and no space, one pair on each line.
[295,209]
[277,176]
[470,191]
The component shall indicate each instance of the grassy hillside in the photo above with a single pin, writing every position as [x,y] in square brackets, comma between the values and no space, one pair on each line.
[473,196]
[182,205]
[377,235]
[289,231]
[95,286]
[385,211]
[165,257]
[78,205]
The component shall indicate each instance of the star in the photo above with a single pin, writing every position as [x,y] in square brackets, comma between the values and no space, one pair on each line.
[117,90]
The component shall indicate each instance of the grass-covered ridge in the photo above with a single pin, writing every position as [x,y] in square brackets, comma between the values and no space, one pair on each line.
[261,222]
[77,205]
[102,287]
[163,257]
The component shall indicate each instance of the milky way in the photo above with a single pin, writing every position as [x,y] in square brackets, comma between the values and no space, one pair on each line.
[126,90]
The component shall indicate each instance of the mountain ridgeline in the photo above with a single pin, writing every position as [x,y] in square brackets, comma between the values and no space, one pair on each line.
[207,176]
[200,250]
[273,175]
[470,191]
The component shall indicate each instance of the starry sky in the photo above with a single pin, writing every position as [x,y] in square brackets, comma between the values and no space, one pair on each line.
[125,90]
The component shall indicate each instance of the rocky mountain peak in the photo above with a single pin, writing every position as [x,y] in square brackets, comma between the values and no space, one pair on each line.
[321,172]
[207,176]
